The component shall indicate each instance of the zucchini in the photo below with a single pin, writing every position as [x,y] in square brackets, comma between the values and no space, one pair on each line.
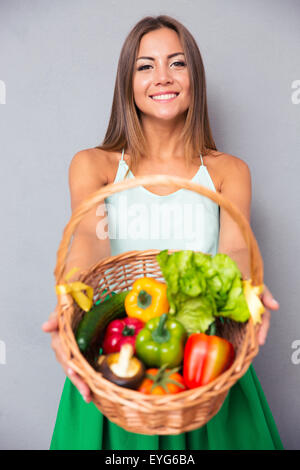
[97,318]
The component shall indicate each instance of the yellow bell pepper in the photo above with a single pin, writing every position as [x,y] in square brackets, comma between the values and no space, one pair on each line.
[147,299]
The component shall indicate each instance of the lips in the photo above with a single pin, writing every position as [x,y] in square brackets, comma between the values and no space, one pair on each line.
[164,96]
[165,93]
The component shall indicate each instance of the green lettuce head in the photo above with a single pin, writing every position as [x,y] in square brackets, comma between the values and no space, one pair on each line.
[201,287]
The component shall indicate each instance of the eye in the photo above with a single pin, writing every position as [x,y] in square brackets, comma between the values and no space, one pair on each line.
[144,67]
[179,63]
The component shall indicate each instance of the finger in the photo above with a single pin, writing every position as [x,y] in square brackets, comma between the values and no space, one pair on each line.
[50,325]
[57,348]
[268,300]
[263,330]
[73,376]
[82,387]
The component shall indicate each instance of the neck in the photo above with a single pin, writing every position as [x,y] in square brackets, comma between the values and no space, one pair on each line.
[163,139]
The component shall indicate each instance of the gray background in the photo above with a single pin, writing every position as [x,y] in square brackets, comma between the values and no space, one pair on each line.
[58,62]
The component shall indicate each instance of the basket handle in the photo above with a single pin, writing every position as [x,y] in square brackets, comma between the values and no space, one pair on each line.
[256,262]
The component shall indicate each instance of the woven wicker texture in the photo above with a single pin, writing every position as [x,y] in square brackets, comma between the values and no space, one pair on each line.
[132,410]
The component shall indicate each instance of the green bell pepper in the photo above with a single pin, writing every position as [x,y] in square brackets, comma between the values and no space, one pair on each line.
[161,342]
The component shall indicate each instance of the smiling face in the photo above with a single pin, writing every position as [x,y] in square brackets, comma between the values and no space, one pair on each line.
[161,83]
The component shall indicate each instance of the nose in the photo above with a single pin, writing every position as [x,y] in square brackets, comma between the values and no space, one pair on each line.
[162,75]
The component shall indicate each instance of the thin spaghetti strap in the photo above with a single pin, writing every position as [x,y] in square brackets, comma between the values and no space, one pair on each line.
[124,164]
[202,164]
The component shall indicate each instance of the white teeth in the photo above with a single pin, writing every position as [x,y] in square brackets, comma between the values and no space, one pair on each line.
[164,97]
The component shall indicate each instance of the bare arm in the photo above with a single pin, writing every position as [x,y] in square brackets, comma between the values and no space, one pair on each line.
[86,248]
[236,187]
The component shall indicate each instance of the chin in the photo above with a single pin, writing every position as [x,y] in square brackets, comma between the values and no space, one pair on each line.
[167,116]
[164,115]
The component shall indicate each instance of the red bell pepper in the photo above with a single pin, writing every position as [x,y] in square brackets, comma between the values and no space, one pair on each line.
[205,357]
[119,332]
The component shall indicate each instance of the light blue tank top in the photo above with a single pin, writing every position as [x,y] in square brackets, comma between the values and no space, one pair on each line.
[140,220]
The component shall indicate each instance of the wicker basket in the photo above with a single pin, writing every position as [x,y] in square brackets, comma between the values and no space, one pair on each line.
[132,410]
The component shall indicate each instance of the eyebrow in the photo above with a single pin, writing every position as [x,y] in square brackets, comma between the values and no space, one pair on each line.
[169,56]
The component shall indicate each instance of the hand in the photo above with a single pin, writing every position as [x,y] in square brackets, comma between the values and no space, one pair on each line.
[269,303]
[51,326]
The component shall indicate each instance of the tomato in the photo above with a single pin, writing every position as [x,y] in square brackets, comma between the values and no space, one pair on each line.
[162,381]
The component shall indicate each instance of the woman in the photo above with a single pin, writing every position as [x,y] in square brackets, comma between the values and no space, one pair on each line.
[159,125]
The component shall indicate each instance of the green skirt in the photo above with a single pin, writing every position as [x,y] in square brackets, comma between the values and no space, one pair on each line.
[244,422]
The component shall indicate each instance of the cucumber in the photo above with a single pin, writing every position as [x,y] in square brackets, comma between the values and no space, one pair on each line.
[97,318]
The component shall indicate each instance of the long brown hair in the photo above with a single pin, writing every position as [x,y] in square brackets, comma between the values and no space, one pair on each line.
[124,128]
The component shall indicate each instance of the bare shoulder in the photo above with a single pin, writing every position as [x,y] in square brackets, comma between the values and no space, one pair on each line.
[228,169]
[90,164]
[88,172]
